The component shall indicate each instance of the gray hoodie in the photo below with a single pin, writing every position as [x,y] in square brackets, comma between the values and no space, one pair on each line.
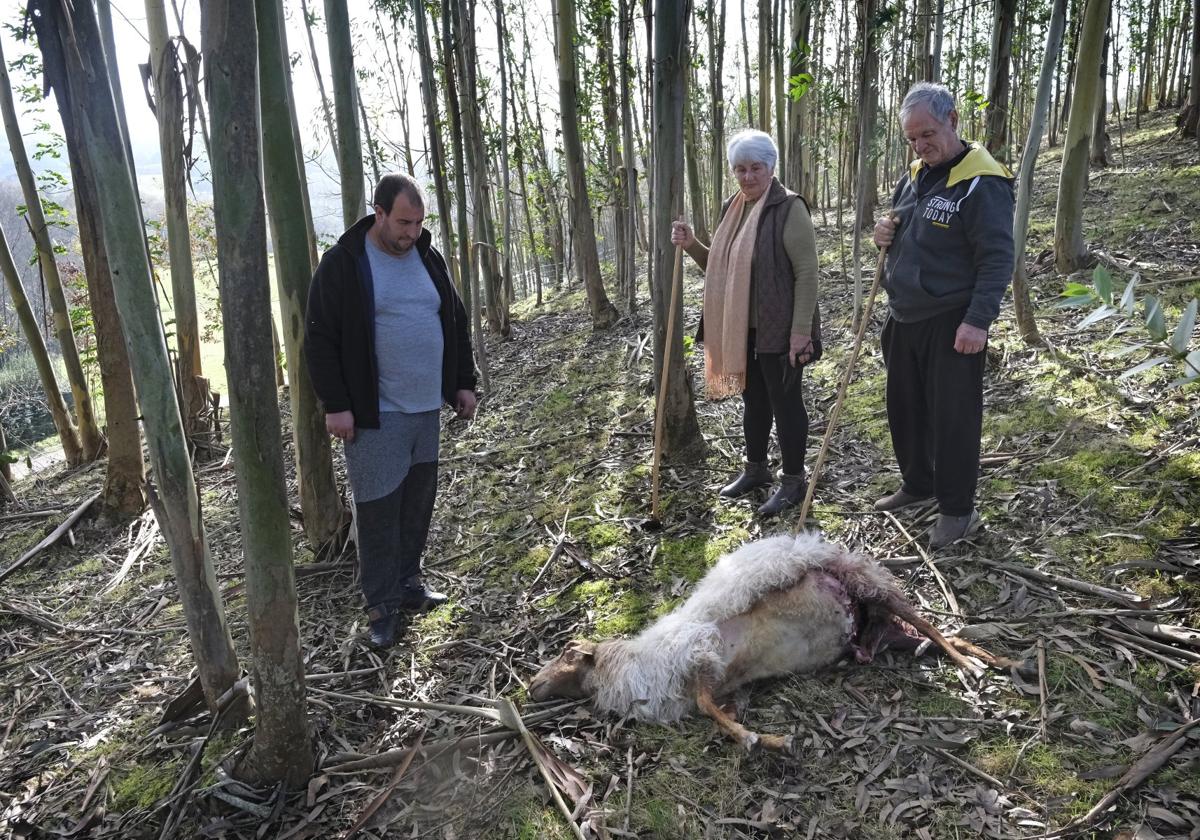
[954,244]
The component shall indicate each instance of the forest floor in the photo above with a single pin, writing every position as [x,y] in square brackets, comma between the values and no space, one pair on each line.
[1090,491]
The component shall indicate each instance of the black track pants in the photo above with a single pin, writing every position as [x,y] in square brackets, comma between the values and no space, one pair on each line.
[768,399]
[392,533]
[934,409]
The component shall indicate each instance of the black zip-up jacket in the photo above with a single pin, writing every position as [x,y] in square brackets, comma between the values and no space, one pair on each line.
[954,246]
[339,334]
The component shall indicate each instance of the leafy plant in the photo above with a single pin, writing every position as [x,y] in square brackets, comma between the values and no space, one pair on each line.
[1165,345]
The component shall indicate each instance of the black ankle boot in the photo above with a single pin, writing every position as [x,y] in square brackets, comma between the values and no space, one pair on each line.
[384,628]
[417,598]
[790,493]
[754,474]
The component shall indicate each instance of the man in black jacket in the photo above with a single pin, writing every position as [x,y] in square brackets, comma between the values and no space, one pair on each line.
[950,258]
[387,345]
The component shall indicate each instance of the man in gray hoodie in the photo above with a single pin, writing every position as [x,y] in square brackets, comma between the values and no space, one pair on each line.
[950,258]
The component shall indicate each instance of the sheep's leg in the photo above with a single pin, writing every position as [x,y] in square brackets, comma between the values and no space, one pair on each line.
[901,608]
[749,741]
[988,658]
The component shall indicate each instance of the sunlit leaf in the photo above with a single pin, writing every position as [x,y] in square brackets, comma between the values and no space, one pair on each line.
[1156,323]
[1128,302]
[1102,280]
[1099,314]
[1182,336]
[1144,366]
[1077,300]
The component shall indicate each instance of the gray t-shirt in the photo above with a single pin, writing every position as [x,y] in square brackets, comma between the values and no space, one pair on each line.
[408,332]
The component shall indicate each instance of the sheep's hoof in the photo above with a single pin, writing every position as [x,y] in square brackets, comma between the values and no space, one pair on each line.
[751,743]
[777,743]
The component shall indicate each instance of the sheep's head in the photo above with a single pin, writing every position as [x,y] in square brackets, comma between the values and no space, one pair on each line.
[564,676]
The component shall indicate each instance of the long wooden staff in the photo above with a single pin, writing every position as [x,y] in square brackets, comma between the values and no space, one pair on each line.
[660,406]
[841,397]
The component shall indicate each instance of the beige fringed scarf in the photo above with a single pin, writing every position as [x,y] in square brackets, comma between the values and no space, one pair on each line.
[727,299]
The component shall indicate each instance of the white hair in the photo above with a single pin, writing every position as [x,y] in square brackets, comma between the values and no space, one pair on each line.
[931,96]
[752,146]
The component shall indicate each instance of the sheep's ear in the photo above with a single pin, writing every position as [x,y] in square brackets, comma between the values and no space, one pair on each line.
[583,649]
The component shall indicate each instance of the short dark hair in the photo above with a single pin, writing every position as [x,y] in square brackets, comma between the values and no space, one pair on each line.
[391,185]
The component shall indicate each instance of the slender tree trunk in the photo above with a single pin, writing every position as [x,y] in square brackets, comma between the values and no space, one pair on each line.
[320,504]
[1033,141]
[326,108]
[67,433]
[628,255]
[72,44]
[1003,24]
[583,230]
[716,55]
[282,749]
[867,97]
[691,147]
[437,154]
[1100,145]
[764,65]
[345,105]
[124,491]
[88,434]
[508,241]
[1191,119]
[366,127]
[1070,252]
[746,62]
[164,70]
[681,439]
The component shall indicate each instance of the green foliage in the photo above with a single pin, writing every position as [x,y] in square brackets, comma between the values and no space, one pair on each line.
[1165,345]
[799,85]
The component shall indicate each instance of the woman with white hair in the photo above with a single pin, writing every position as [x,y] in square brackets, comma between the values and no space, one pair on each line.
[761,323]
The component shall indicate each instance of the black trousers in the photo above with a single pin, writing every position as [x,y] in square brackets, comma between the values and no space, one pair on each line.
[391,535]
[935,409]
[769,398]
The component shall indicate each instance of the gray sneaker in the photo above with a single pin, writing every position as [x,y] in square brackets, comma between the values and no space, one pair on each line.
[950,529]
[899,499]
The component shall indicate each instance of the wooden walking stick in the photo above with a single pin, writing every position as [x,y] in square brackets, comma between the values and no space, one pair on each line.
[842,387]
[660,405]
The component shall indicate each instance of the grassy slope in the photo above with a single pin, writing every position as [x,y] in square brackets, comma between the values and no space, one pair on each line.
[1084,477]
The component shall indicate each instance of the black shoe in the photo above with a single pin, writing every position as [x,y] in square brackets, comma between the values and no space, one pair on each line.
[754,474]
[790,493]
[950,529]
[384,629]
[898,500]
[415,597]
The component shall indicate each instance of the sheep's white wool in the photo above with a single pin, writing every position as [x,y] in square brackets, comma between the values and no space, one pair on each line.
[649,677]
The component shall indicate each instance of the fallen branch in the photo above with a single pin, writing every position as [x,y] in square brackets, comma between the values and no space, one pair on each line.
[1166,632]
[383,795]
[1125,598]
[947,592]
[53,537]
[1141,770]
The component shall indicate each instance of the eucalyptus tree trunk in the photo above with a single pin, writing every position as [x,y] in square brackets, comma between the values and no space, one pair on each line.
[583,229]
[716,91]
[366,127]
[612,127]
[70,41]
[469,261]
[345,104]
[799,169]
[691,146]
[506,185]
[1033,141]
[282,748]
[779,64]
[1070,252]
[627,254]
[1098,154]
[164,71]
[682,440]
[88,435]
[548,189]
[320,503]
[67,433]
[1003,23]
[746,67]
[868,93]
[437,155]
[124,490]
[1191,116]
[326,109]
[764,65]
[477,162]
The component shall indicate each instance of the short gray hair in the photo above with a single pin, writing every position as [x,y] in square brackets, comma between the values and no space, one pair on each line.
[752,146]
[935,98]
